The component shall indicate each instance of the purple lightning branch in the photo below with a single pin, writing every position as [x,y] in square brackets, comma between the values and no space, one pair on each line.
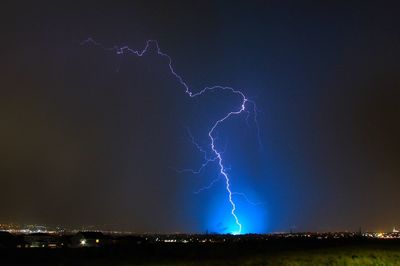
[206,160]
[208,186]
[217,155]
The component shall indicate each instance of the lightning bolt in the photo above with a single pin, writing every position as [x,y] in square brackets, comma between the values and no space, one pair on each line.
[207,160]
[217,155]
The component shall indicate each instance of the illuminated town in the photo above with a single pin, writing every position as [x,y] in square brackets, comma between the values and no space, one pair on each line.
[41,236]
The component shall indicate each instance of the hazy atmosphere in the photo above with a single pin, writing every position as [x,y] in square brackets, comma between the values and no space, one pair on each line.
[92,137]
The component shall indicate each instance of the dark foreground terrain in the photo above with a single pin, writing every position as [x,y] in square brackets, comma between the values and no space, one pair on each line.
[274,252]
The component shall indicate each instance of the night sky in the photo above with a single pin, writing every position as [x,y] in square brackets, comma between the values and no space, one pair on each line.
[89,137]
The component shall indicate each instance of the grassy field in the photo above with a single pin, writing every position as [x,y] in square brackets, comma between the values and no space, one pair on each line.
[330,256]
[272,254]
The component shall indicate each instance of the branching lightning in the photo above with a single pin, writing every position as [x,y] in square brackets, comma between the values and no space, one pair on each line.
[247,199]
[208,186]
[206,161]
[246,105]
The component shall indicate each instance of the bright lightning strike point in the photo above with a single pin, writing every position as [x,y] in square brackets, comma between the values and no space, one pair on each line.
[242,108]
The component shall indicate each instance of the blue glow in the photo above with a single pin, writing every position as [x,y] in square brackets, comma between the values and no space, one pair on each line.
[246,106]
[253,216]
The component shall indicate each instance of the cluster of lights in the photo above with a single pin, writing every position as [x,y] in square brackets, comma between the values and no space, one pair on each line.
[83,242]
[382,235]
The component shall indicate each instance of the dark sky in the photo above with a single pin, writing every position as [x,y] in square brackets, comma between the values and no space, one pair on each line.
[88,137]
